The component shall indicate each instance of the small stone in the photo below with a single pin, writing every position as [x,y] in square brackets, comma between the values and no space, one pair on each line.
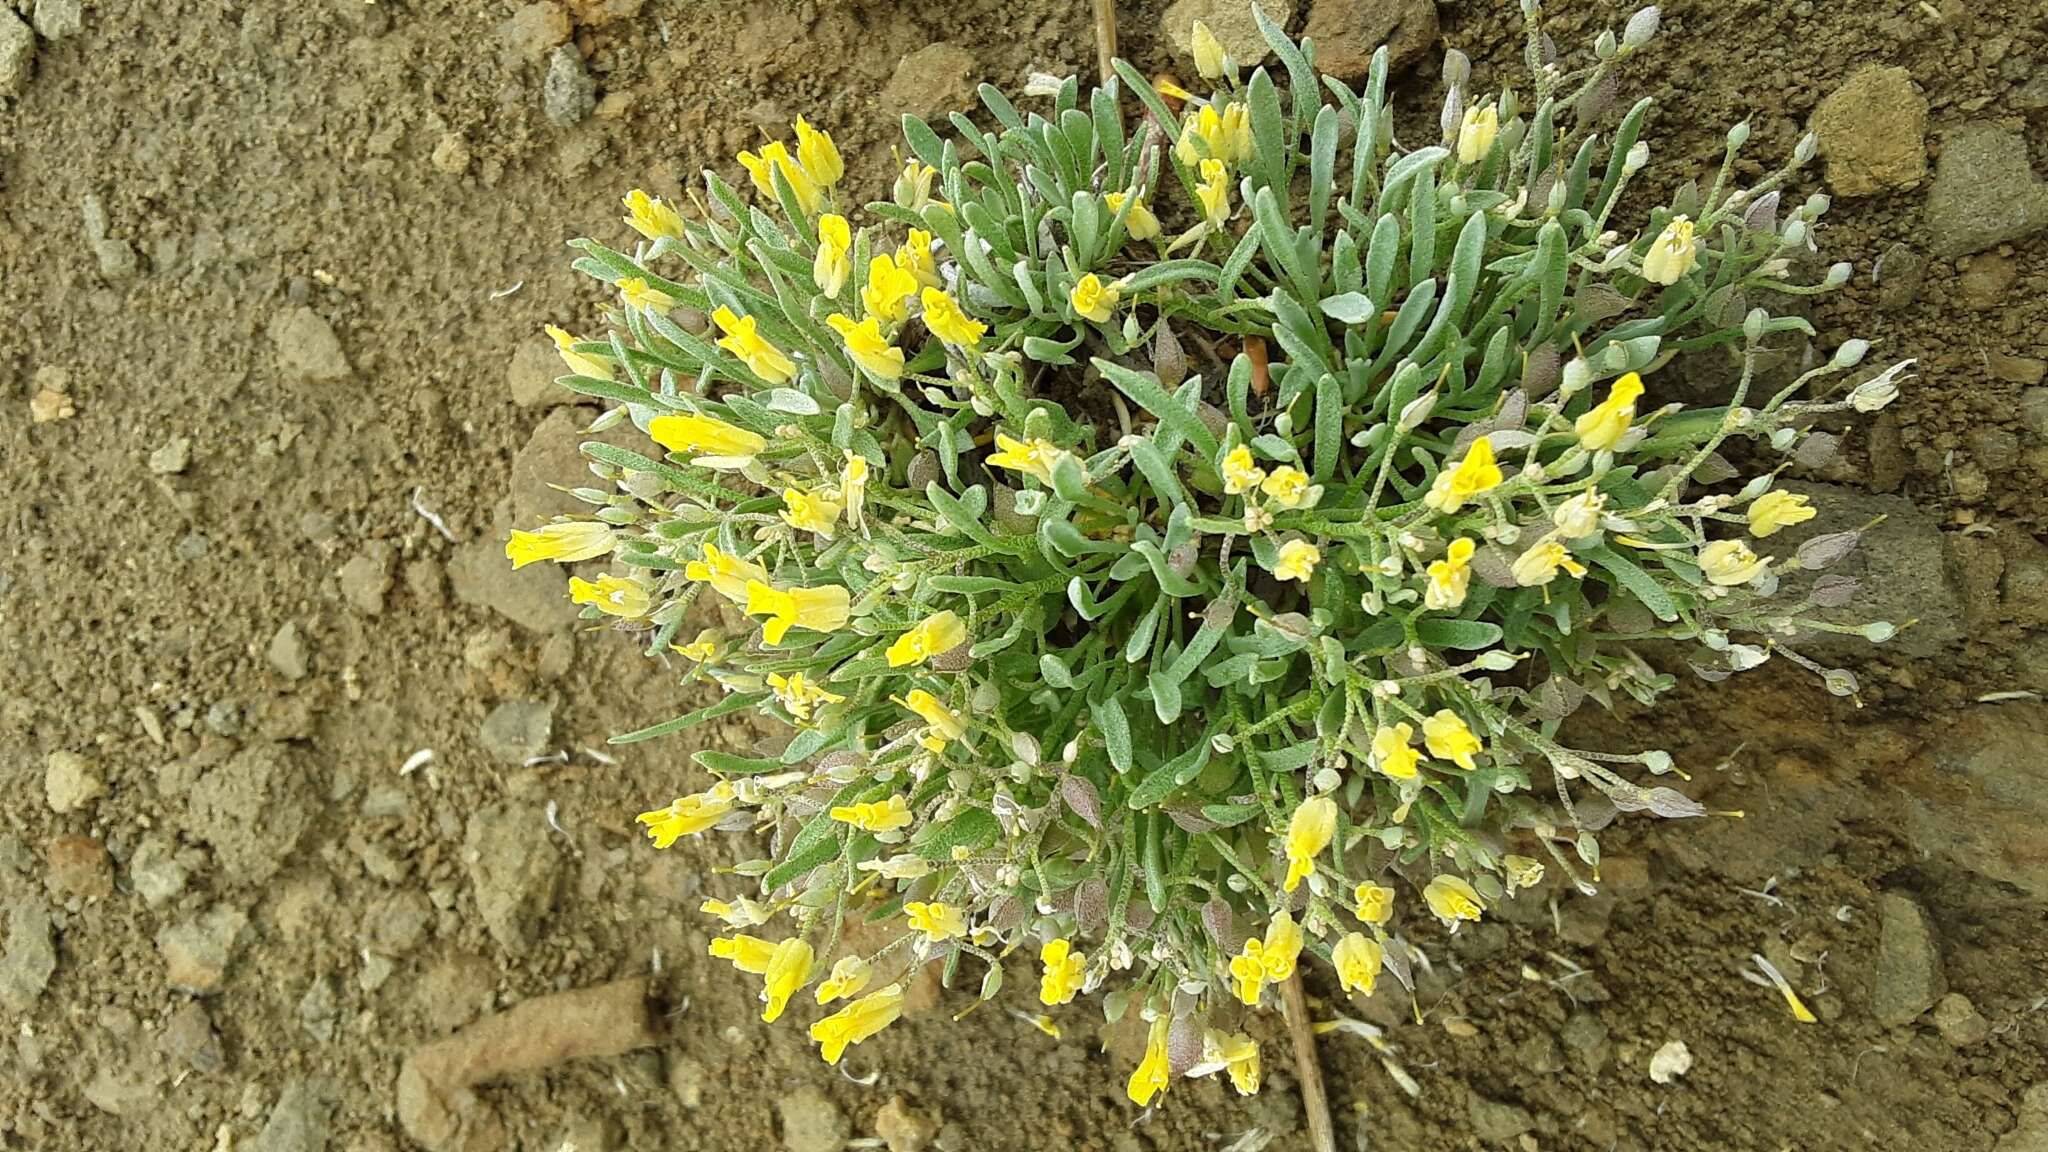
[197,951]
[307,347]
[1586,1035]
[17,52]
[1671,1061]
[396,925]
[316,1009]
[2030,1134]
[2034,411]
[31,953]
[1538,1052]
[80,869]
[530,376]
[811,1122]
[56,19]
[450,155]
[188,1037]
[931,81]
[48,406]
[155,871]
[288,653]
[518,730]
[1909,971]
[1233,25]
[1984,192]
[1995,450]
[534,30]
[251,810]
[1959,1021]
[515,870]
[173,457]
[1348,32]
[366,578]
[530,597]
[686,1076]
[903,1128]
[569,94]
[2022,370]
[69,783]
[1983,284]
[299,1122]
[1900,272]
[1873,131]
[1494,1122]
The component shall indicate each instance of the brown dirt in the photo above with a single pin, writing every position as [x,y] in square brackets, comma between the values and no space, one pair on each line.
[385,170]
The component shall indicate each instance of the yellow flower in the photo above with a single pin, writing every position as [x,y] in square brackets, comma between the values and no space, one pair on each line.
[1539,565]
[688,816]
[1357,957]
[868,347]
[1602,428]
[834,261]
[1240,475]
[888,292]
[577,363]
[941,723]
[875,815]
[811,511]
[915,257]
[1391,752]
[639,294]
[913,189]
[611,595]
[848,977]
[1153,1073]
[818,155]
[1308,832]
[1288,487]
[727,574]
[1476,133]
[799,696]
[1452,900]
[1208,52]
[1214,193]
[1450,577]
[939,632]
[704,436]
[821,609]
[651,217]
[1141,224]
[1672,254]
[1239,1055]
[1579,517]
[1375,903]
[857,1021]
[1297,561]
[1777,509]
[1065,971]
[943,316]
[853,486]
[1222,136]
[1031,457]
[761,358]
[937,921]
[737,913]
[704,649]
[1730,562]
[1522,871]
[1475,474]
[1271,959]
[568,542]
[775,157]
[1093,300]
[788,970]
[1446,736]
[749,954]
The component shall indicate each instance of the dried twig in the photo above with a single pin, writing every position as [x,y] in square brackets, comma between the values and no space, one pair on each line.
[1105,37]
[1314,1101]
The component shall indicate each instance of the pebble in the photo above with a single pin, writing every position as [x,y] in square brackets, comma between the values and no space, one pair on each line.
[251,810]
[367,578]
[811,1122]
[515,870]
[518,730]
[1984,283]
[450,155]
[155,871]
[31,956]
[1959,1022]
[903,1128]
[50,405]
[197,951]
[173,457]
[569,94]
[1671,1061]
[80,869]
[1909,971]
[2022,370]
[931,81]
[1873,131]
[56,19]
[316,1009]
[299,1121]
[530,375]
[1231,22]
[288,652]
[307,347]
[396,925]
[1495,1122]
[534,30]
[1900,273]
[686,1078]
[1984,192]
[1348,32]
[17,52]
[69,783]
[116,257]
[188,1036]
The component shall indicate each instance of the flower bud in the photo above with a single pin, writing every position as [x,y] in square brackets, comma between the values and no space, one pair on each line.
[1208,51]
[1738,135]
[1417,410]
[1604,45]
[1577,374]
[1795,233]
[1496,661]
[1641,27]
[1457,69]
[1851,353]
[1807,146]
[1817,205]
[1838,275]
[1873,395]
[1753,324]
[1638,155]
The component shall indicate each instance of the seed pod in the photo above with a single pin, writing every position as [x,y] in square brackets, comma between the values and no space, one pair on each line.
[1641,27]
[1762,216]
[1826,549]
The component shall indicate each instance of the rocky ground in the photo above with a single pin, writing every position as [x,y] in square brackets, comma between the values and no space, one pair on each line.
[315,842]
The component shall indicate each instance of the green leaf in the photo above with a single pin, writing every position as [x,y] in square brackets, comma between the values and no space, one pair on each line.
[1116,730]
[973,829]
[1639,583]
[737,702]
[1465,635]
[1348,308]
[727,764]
[1144,389]
[1173,774]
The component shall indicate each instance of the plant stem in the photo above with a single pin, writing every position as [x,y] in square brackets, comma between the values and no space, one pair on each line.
[1321,1136]
[1105,38]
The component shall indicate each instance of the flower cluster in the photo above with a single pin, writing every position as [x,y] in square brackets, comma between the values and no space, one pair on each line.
[1172,535]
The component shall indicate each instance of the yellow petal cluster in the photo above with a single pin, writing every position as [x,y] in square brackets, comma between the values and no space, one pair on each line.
[1373,903]
[611,595]
[1727,563]
[1297,561]
[1672,254]
[1357,958]
[567,542]
[798,696]
[1447,737]
[1308,832]
[1475,474]
[1034,458]
[939,632]
[1093,300]
[816,512]
[936,920]
[857,1022]
[890,288]
[1140,224]
[834,260]
[727,574]
[696,435]
[688,816]
[743,339]
[1600,429]
[821,609]
[1776,510]
[1154,1072]
[1453,900]
[1065,971]
[1271,959]
[1392,750]
[788,970]
[578,363]
[1451,577]
[876,815]
[942,315]
[652,217]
